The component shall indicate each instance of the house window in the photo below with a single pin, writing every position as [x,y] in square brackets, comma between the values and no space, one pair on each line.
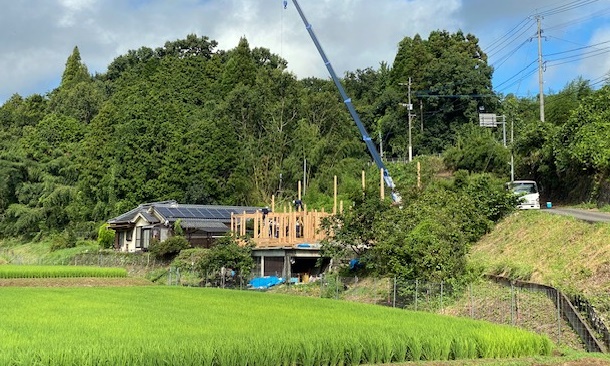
[138,237]
[129,235]
[145,238]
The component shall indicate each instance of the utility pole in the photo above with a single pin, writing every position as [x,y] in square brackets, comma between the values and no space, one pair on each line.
[410,115]
[540,64]
[409,109]
[512,146]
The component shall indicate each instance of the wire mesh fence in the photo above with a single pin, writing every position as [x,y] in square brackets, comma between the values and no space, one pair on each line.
[539,310]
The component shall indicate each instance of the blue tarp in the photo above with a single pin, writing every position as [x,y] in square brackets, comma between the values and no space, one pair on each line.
[262,283]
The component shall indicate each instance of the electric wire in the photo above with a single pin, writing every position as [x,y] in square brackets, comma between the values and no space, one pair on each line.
[578,49]
[583,19]
[497,64]
[497,45]
[566,7]
[550,59]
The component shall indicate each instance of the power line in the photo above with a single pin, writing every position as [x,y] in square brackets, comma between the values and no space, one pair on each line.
[570,59]
[584,19]
[501,43]
[518,73]
[566,7]
[506,57]
[578,49]
[556,58]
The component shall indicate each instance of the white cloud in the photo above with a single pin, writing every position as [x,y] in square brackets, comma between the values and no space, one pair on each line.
[38,36]
[598,64]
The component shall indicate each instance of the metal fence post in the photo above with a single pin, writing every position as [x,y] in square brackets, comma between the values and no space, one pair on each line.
[471,301]
[442,288]
[558,318]
[512,304]
[394,299]
[416,289]
[337,287]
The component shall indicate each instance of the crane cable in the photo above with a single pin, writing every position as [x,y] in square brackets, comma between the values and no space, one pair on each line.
[285,3]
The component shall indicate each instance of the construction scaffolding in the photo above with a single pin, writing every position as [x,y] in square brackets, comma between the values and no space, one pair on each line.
[280,229]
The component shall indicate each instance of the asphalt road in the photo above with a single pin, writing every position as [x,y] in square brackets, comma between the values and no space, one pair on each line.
[585,215]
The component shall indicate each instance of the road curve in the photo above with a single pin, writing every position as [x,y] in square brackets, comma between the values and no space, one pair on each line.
[581,214]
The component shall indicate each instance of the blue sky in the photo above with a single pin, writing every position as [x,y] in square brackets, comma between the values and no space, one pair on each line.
[575,42]
[39,35]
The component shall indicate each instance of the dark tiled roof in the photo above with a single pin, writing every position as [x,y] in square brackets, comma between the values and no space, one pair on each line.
[130,215]
[171,211]
[149,217]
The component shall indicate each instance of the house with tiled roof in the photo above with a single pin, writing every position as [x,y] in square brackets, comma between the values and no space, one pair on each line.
[201,224]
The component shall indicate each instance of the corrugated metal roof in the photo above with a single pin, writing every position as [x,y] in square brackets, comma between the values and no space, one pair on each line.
[210,226]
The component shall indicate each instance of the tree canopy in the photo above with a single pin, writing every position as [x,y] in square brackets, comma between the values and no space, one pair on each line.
[191,122]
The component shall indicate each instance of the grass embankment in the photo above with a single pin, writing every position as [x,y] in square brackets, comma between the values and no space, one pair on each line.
[16,252]
[556,250]
[192,326]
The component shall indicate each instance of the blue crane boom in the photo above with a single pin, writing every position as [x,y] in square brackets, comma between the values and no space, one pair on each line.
[348,102]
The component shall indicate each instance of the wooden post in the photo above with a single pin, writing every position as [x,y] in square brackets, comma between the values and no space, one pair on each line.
[292,227]
[243,224]
[257,221]
[341,206]
[381,186]
[335,197]
[299,190]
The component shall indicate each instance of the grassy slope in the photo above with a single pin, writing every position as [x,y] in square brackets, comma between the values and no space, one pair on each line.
[550,249]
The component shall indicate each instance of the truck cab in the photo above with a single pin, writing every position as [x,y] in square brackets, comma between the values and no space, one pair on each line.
[528,193]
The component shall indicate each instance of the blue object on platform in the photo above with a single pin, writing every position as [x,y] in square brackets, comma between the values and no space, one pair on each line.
[263,283]
[549,205]
[303,246]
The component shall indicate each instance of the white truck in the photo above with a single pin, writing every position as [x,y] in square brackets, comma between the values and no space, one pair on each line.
[529,195]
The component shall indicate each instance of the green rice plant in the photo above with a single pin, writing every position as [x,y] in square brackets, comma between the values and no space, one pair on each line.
[386,350]
[355,353]
[32,271]
[193,326]
[371,350]
[413,348]
[399,350]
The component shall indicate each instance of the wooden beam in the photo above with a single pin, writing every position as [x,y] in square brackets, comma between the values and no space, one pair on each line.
[335,197]
[381,186]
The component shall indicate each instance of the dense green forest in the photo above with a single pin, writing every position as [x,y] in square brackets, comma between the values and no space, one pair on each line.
[190,122]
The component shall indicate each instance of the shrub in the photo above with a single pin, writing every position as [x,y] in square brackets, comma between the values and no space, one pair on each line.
[105,237]
[168,248]
[65,240]
[227,253]
[189,259]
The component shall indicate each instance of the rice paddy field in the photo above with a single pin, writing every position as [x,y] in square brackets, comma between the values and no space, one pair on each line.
[33,271]
[159,325]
